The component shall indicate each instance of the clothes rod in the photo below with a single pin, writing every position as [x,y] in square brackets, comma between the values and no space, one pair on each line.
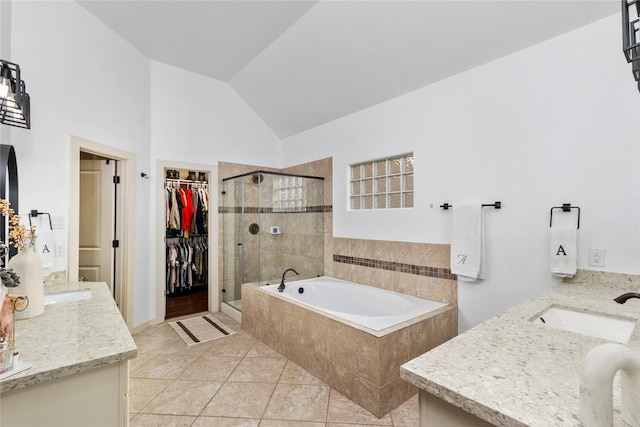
[497,205]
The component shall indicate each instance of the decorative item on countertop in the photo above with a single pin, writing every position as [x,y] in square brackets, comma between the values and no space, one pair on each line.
[8,307]
[27,264]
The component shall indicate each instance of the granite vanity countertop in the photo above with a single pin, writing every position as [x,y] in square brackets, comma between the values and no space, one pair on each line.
[510,371]
[71,337]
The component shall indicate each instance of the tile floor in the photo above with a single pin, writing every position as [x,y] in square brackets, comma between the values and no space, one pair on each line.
[236,381]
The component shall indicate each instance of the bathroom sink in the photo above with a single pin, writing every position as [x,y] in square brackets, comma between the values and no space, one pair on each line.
[61,297]
[610,328]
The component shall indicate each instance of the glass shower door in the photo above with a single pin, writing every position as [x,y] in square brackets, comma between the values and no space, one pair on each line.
[240,237]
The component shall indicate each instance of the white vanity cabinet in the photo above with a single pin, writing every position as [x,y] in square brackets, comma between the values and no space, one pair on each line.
[79,354]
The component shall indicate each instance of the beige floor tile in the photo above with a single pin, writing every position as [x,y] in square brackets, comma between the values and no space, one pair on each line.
[351,425]
[262,350]
[140,360]
[298,403]
[244,400]
[164,366]
[225,422]
[283,423]
[183,398]
[168,374]
[152,420]
[210,368]
[294,374]
[258,369]
[236,345]
[162,329]
[406,415]
[343,410]
[144,390]
[158,344]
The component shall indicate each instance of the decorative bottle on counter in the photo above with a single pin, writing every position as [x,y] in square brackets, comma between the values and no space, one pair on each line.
[28,265]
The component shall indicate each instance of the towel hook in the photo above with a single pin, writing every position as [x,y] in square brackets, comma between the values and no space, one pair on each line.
[566,207]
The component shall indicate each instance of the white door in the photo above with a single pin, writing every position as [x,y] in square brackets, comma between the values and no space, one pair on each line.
[97,221]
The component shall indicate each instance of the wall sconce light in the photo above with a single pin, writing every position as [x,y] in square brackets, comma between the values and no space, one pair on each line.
[631,35]
[15,103]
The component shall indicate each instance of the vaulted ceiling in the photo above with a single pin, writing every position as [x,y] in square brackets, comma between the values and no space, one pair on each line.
[300,64]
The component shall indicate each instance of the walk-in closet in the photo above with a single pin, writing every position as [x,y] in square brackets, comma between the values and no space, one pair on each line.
[186,242]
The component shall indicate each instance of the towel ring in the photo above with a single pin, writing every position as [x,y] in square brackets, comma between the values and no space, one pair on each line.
[566,207]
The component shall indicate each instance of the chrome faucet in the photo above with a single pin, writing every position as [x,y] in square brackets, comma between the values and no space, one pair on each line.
[624,297]
[281,287]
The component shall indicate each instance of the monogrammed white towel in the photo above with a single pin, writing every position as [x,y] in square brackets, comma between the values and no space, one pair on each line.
[467,242]
[564,248]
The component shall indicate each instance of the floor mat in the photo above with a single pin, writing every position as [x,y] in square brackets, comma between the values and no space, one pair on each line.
[196,330]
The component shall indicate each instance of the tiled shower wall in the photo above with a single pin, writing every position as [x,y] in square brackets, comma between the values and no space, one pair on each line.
[419,269]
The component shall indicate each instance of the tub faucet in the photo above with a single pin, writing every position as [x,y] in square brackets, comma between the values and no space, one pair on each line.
[624,297]
[281,287]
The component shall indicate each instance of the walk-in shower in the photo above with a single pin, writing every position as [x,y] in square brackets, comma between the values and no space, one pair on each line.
[271,222]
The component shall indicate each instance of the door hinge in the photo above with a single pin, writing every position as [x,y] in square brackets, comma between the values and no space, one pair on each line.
[115,244]
[116,179]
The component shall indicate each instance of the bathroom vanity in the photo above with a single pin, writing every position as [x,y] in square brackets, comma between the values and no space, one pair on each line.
[515,370]
[79,353]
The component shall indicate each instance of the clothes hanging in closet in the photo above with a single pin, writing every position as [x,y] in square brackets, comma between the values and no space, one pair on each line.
[186,263]
[186,209]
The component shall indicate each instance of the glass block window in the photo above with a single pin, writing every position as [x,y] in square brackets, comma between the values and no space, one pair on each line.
[382,184]
[289,194]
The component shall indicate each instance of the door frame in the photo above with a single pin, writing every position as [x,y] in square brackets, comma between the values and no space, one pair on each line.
[124,213]
[212,235]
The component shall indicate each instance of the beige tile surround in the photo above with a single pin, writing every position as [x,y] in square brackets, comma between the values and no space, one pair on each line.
[363,365]
[428,259]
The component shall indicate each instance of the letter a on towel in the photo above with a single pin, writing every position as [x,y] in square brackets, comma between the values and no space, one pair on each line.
[564,248]
[467,243]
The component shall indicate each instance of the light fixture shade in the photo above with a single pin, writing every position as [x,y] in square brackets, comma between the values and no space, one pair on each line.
[5,81]
[631,29]
[15,103]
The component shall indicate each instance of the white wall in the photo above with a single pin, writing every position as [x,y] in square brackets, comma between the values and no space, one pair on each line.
[86,81]
[555,123]
[199,120]
[196,118]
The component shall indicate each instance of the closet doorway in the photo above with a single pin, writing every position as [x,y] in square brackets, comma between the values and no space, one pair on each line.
[93,256]
[187,240]
[98,228]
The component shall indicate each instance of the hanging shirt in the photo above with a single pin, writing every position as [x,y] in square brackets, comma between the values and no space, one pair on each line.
[187,211]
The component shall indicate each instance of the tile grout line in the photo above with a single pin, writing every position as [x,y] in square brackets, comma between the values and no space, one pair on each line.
[274,388]
[226,379]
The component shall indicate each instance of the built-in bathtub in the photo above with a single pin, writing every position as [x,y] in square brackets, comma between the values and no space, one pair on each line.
[341,341]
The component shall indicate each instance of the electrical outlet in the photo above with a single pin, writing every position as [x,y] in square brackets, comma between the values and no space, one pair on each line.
[596,257]
[59,249]
[57,221]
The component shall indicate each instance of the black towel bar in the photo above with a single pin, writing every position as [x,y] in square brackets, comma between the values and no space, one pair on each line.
[497,205]
[566,207]
[34,214]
